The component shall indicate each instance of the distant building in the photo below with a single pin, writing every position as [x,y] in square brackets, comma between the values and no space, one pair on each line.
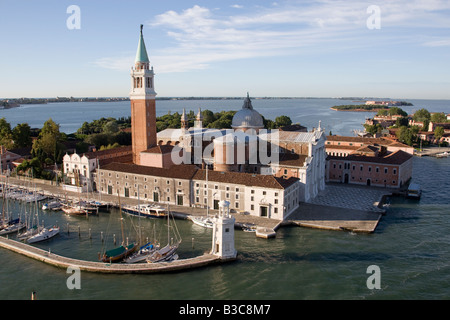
[78,170]
[389,170]
[7,159]
[433,125]
[368,161]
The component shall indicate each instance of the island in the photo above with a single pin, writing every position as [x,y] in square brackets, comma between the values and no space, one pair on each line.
[374,106]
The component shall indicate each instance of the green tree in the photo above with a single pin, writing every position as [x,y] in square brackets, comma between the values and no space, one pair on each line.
[438,133]
[110,127]
[22,135]
[421,115]
[382,112]
[439,117]
[373,129]
[397,111]
[6,137]
[282,121]
[406,135]
[49,143]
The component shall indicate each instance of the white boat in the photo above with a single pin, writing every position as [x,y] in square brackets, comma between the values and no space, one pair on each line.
[164,254]
[167,253]
[14,227]
[52,205]
[45,234]
[442,155]
[142,254]
[29,233]
[206,222]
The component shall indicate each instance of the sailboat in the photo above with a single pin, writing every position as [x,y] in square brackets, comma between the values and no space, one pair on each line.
[44,234]
[144,251]
[204,221]
[14,226]
[121,252]
[167,253]
[9,226]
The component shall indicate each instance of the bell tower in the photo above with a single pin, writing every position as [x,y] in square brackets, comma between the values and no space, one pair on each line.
[142,97]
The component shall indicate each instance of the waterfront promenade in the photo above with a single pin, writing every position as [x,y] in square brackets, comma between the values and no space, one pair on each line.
[338,207]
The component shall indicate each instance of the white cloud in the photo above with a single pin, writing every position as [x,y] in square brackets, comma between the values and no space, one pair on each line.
[203,36]
[237,6]
[438,43]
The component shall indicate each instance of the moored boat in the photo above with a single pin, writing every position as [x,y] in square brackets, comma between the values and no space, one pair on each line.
[414,191]
[45,234]
[119,253]
[164,254]
[14,226]
[206,222]
[52,205]
[74,211]
[142,254]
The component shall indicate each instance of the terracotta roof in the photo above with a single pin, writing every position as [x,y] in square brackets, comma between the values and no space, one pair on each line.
[107,152]
[165,148]
[289,159]
[183,171]
[192,172]
[247,179]
[399,157]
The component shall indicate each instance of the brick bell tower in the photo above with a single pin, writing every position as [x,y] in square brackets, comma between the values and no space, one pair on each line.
[142,97]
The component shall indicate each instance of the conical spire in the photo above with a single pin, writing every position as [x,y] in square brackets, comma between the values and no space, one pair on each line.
[141,54]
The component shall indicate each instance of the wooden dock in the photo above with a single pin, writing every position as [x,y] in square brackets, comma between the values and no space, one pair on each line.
[100,267]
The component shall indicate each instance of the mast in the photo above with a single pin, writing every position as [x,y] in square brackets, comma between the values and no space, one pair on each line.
[207,191]
[121,222]
[139,210]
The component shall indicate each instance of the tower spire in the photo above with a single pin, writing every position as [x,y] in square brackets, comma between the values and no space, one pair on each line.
[141,54]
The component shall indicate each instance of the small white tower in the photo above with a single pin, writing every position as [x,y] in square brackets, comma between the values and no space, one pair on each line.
[223,233]
[199,119]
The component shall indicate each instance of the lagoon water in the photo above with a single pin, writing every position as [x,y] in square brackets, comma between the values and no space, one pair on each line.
[411,245]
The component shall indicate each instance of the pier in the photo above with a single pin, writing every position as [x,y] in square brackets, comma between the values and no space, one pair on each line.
[432,152]
[101,267]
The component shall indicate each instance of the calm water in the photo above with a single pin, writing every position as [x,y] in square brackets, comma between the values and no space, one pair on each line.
[411,244]
[308,112]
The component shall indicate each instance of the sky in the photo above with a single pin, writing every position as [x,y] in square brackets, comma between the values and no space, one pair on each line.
[328,48]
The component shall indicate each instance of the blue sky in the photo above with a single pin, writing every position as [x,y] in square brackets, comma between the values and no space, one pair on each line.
[226,48]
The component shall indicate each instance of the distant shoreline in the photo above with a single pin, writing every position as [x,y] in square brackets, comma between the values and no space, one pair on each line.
[359,110]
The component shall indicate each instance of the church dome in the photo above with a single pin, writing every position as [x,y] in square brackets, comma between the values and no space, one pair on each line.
[247,117]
